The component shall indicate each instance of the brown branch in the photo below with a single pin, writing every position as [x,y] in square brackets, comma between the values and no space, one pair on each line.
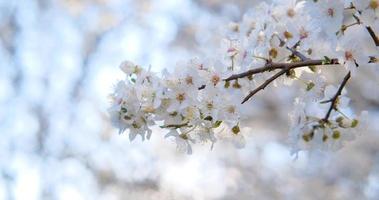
[369,29]
[334,99]
[297,53]
[373,35]
[175,126]
[293,49]
[273,66]
[286,67]
[266,83]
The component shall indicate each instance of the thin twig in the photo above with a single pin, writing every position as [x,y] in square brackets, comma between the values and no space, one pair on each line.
[297,53]
[293,49]
[286,67]
[175,125]
[273,66]
[369,29]
[266,83]
[334,99]
[201,87]
[373,35]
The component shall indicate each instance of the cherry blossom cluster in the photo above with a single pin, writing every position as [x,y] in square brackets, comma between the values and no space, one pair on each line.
[190,102]
[286,43]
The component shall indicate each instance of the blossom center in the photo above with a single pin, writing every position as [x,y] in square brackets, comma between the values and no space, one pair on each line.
[189,80]
[291,12]
[136,125]
[303,33]
[374,4]
[183,136]
[180,97]
[137,69]
[331,12]
[273,53]
[149,109]
[209,105]
[308,136]
[231,109]
[349,55]
[287,35]
[215,79]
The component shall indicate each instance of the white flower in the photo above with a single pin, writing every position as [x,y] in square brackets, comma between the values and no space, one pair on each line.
[129,68]
[188,74]
[289,33]
[182,141]
[140,127]
[210,103]
[193,100]
[313,86]
[205,134]
[369,11]
[327,14]
[230,110]
[290,10]
[149,91]
[309,132]
[117,98]
[329,93]
[180,98]
[216,71]
[313,135]
[351,54]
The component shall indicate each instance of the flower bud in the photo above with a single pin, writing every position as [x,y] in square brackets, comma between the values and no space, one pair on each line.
[324,138]
[347,123]
[236,85]
[354,123]
[336,134]
[310,85]
[308,136]
[227,84]
[236,129]
[339,119]
[128,67]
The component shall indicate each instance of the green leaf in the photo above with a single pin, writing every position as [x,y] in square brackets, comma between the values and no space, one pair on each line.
[124,110]
[326,60]
[310,85]
[217,124]
[312,68]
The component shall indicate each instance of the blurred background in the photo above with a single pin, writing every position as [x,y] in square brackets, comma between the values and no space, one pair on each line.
[58,63]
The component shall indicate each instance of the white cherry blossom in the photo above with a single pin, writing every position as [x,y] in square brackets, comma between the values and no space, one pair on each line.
[286,43]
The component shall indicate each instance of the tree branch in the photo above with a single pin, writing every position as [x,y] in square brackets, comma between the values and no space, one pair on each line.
[286,67]
[297,53]
[373,35]
[273,66]
[334,99]
[175,126]
[369,29]
[266,83]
